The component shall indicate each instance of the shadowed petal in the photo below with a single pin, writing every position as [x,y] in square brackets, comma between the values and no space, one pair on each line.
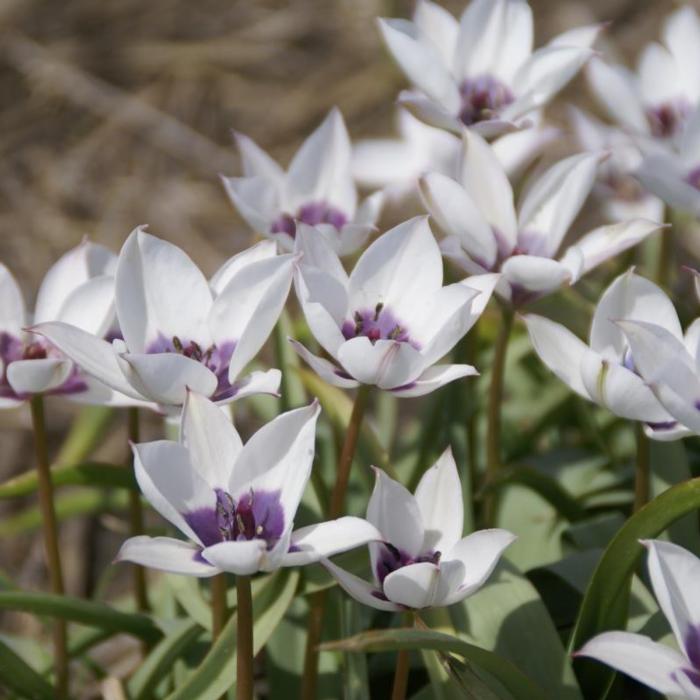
[166,554]
[413,586]
[360,590]
[243,558]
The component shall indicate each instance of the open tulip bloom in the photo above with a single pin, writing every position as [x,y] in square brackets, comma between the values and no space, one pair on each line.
[487,233]
[481,72]
[674,574]
[78,289]
[181,331]
[607,370]
[391,320]
[423,560]
[318,189]
[235,503]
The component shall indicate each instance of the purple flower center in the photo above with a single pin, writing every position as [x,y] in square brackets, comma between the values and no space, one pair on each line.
[482,98]
[13,349]
[215,358]
[667,119]
[392,558]
[312,214]
[377,324]
[258,515]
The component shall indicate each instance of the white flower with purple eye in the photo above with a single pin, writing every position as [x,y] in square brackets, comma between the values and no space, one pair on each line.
[235,503]
[423,560]
[317,189]
[481,72]
[78,289]
[656,101]
[487,233]
[674,574]
[181,331]
[605,371]
[391,320]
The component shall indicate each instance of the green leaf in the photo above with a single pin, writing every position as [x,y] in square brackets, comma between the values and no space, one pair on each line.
[292,390]
[217,673]
[85,434]
[85,474]
[18,676]
[161,659]
[85,612]
[606,602]
[188,593]
[517,684]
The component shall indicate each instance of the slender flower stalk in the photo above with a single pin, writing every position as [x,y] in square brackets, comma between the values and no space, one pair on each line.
[50,529]
[318,600]
[493,426]
[219,607]
[244,640]
[642,469]
[403,666]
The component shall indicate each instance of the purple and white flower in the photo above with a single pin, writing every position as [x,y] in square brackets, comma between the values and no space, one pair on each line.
[423,560]
[486,233]
[390,320]
[235,503]
[481,71]
[317,189]
[606,370]
[180,331]
[674,574]
[78,289]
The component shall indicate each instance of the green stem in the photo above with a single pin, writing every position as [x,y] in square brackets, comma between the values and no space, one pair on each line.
[136,520]
[244,639]
[642,469]
[403,666]
[50,530]
[493,425]
[318,600]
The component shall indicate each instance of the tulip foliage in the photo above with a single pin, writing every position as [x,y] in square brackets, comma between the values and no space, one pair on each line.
[451,454]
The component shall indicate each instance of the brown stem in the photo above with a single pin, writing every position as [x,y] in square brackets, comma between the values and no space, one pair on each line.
[244,640]
[136,520]
[219,608]
[642,469]
[493,425]
[50,530]
[318,600]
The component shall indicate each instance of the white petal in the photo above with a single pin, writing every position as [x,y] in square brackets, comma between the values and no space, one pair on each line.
[351,237]
[637,656]
[630,297]
[583,37]
[159,290]
[330,373]
[242,558]
[681,35]
[399,269]
[394,511]
[439,498]
[12,312]
[479,553]
[674,574]
[516,151]
[257,382]
[211,439]
[254,161]
[559,349]
[413,586]
[386,163]
[665,176]
[608,241]
[421,61]
[430,112]
[165,476]
[165,377]
[278,457]
[388,364]
[259,251]
[166,554]
[658,75]
[93,355]
[438,26]
[315,542]
[433,378]
[370,209]
[487,184]
[37,376]
[74,268]
[456,213]
[534,274]
[358,589]
[320,170]
[257,199]
[90,306]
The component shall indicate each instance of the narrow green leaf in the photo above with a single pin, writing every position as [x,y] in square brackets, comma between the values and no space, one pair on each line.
[85,612]
[517,684]
[85,434]
[605,604]
[188,593]
[292,389]
[19,677]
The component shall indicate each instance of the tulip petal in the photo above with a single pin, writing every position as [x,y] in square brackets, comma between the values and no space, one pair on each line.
[242,558]
[360,590]
[37,376]
[90,306]
[330,373]
[260,251]
[255,161]
[166,554]
[532,275]
[433,378]
[12,311]
[257,199]
[258,382]
[413,586]
[438,26]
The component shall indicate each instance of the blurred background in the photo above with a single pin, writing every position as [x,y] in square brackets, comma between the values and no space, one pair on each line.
[115,114]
